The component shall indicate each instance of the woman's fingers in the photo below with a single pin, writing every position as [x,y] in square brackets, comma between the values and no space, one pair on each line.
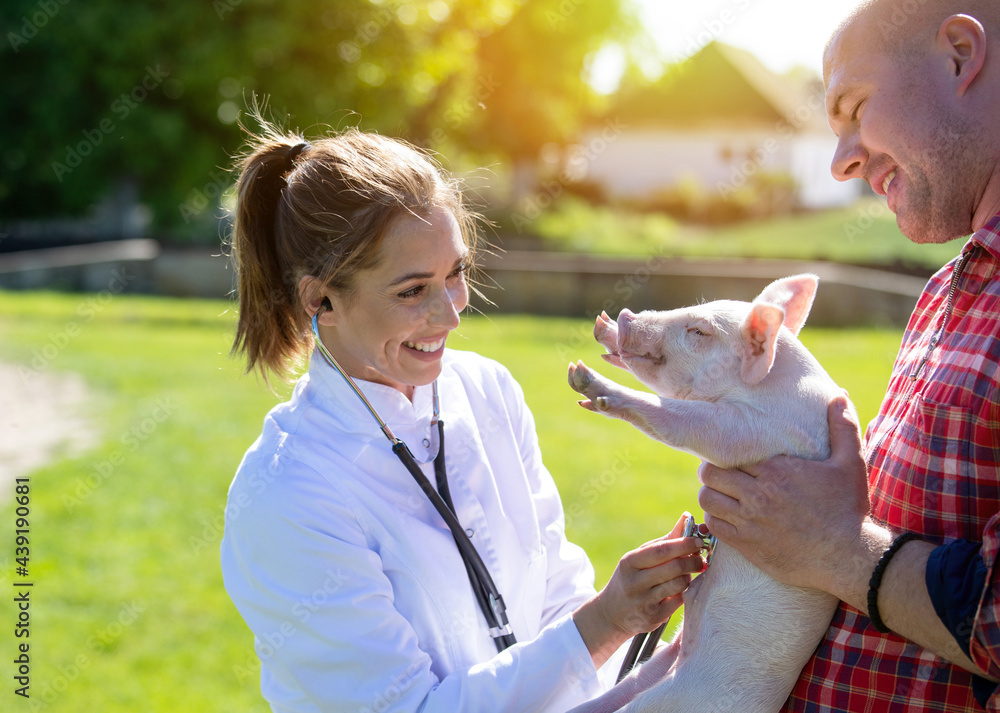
[667,578]
[655,553]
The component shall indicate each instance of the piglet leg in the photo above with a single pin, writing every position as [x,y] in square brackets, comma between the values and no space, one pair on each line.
[712,431]
[638,681]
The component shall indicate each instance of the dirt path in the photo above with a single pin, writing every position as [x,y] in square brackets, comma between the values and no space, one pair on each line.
[43,417]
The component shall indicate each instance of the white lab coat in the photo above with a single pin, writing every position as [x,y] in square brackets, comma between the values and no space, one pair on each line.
[353,586]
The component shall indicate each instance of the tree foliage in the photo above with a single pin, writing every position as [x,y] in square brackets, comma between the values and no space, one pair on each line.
[100,92]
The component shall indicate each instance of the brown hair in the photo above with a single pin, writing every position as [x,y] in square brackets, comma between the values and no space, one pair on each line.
[320,208]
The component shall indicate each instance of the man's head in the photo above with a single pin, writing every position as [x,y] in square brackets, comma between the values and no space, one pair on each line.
[912,93]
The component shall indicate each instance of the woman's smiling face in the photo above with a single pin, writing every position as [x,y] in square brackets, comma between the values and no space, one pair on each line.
[391,329]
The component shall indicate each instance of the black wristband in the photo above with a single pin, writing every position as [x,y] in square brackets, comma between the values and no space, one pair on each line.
[876,581]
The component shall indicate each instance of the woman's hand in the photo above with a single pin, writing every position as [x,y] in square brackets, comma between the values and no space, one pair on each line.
[643,592]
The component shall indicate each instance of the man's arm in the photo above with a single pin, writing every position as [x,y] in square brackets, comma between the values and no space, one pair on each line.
[806,524]
[904,603]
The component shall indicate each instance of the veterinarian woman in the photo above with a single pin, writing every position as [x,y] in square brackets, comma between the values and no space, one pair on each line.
[346,573]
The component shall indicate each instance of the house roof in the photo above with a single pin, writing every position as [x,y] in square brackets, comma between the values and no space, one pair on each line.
[724,85]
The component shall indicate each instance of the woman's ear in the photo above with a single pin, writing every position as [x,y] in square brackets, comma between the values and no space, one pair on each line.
[314,298]
[963,40]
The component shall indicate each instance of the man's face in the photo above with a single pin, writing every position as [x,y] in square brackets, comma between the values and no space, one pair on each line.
[899,131]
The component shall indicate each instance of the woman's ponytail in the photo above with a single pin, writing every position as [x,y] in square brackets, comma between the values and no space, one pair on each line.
[268,331]
[319,210]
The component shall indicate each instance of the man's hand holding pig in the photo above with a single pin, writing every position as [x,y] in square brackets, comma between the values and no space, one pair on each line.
[645,589]
[806,524]
[798,520]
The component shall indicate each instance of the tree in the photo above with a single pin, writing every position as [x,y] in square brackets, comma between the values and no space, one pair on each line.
[106,91]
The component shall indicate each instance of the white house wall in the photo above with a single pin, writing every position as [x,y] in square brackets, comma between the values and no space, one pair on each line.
[811,167]
[638,163]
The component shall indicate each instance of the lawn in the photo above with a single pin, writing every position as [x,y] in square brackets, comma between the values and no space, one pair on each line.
[864,233]
[128,610]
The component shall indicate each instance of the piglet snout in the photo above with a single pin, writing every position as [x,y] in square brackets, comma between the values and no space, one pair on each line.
[625,319]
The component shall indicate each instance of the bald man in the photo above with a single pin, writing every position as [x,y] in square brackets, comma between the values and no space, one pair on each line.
[904,527]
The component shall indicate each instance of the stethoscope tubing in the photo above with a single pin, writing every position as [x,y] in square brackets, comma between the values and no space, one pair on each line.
[483,586]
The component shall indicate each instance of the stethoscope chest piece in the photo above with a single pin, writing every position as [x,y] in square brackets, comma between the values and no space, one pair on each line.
[708,540]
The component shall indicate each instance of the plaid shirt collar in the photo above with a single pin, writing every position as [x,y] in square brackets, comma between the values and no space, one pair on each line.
[988,237]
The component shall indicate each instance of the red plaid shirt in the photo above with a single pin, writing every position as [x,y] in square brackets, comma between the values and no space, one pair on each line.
[934,460]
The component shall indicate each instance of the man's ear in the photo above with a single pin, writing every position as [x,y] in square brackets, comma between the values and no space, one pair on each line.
[759,334]
[312,295]
[962,39]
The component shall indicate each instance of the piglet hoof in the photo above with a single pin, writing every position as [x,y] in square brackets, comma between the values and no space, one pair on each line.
[606,333]
[601,403]
[603,324]
[580,377]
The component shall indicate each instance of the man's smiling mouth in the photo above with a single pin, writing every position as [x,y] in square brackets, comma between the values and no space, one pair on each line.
[887,181]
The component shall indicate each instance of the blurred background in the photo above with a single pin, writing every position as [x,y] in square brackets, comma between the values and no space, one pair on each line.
[615,128]
[626,153]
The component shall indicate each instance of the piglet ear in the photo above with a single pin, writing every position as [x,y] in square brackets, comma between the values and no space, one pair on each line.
[794,295]
[760,335]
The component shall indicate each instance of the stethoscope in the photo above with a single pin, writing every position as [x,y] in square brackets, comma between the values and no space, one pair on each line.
[487,594]
[643,645]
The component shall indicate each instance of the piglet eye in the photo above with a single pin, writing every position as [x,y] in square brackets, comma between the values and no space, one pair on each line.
[695,330]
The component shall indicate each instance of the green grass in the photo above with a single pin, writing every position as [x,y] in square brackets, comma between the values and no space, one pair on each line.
[863,233]
[128,609]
